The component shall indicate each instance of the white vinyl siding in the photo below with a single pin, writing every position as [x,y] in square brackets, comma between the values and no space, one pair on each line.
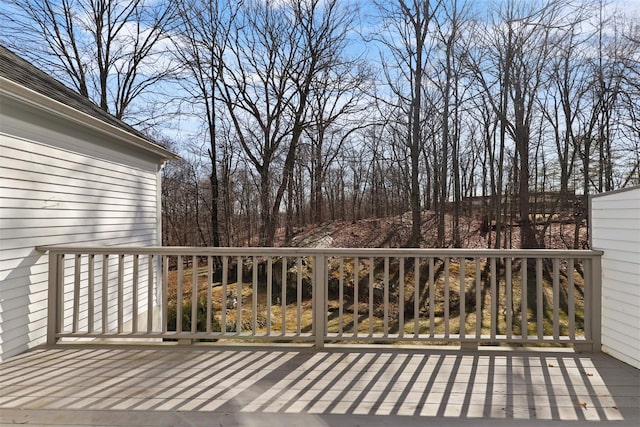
[111,290]
[63,184]
[615,229]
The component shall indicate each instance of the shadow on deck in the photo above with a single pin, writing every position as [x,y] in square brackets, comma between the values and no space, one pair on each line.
[269,386]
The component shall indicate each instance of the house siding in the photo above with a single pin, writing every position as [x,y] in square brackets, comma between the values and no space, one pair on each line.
[63,183]
[615,229]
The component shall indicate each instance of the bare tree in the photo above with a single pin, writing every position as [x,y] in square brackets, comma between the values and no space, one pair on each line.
[564,102]
[336,112]
[200,45]
[407,26]
[519,50]
[110,51]
[451,28]
[276,53]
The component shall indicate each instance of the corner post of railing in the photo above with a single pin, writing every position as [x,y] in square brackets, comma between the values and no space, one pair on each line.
[592,305]
[319,304]
[596,302]
[56,275]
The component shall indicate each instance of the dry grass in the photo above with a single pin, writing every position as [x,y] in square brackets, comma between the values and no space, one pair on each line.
[431,318]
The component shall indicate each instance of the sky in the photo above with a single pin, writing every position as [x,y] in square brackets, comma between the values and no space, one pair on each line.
[183,128]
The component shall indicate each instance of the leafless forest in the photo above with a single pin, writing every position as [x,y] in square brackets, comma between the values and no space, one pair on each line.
[443,117]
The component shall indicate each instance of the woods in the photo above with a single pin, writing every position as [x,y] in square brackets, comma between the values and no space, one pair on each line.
[292,113]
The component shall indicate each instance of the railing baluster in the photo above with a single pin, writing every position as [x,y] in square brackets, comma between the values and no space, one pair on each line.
[494,299]
[539,300]
[385,321]
[462,276]
[356,285]
[194,294]
[479,302]
[239,297]
[299,296]
[283,295]
[571,309]
[508,290]
[224,302]
[321,303]
[90,292]
[401,297]
[416,297]
[75,321]
[150,293]
[341,297]
[446,303]
[105,294]
[134,320]
[524,327]
[371,296]
[319,299]
[165,293]
[179,296]
[254,296]
[269,290]
[208,326]
[556,299]
[120,293]
[432,298]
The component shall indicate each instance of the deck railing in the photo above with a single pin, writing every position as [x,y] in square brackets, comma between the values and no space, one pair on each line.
[459,296]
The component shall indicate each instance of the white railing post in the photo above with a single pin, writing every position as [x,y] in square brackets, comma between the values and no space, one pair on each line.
[319,305]
[596,310]
[596,302]
[592,305]
[56,285]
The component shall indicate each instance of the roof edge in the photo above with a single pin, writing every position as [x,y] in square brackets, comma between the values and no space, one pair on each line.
[610,192]
[42,102]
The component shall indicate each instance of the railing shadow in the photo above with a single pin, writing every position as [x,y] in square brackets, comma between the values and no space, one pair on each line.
[356,382]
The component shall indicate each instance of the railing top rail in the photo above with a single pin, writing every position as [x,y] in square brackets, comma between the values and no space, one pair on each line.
[345,252]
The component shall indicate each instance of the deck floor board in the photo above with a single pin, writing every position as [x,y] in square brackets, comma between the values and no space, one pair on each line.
[264,386]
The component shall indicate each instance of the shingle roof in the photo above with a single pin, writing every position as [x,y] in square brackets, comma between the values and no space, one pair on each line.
[16,69]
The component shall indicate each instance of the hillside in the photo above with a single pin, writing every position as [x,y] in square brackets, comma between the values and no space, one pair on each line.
[393,232]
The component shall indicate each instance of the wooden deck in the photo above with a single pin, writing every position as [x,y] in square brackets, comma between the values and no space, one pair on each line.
[289,386]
